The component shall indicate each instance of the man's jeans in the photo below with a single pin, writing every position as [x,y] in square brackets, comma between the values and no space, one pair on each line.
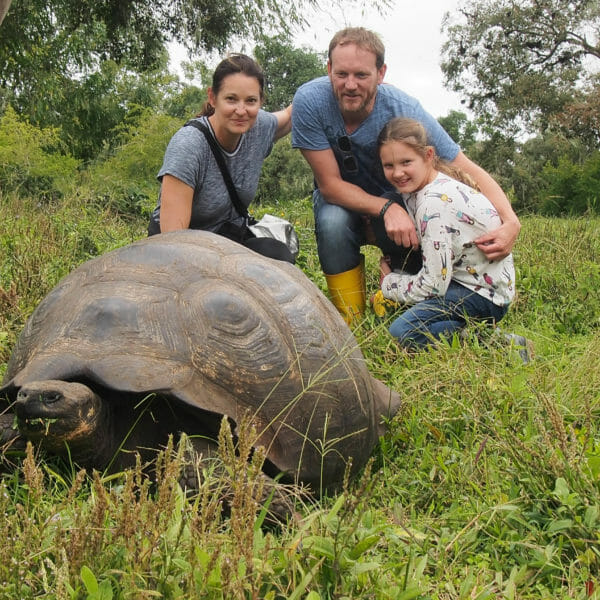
[430,319]
[340,234]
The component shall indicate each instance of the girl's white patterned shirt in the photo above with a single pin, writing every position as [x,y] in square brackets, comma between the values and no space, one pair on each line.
[449,215]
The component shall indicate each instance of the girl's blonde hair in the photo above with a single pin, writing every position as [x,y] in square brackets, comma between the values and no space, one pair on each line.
[413,134]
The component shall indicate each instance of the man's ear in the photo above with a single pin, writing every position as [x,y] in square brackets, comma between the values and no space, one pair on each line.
[381,73]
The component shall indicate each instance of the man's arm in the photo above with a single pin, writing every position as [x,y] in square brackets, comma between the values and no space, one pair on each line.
[497,243]
[398,225]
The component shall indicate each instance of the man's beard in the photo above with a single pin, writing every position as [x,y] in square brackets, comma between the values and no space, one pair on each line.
[353,108]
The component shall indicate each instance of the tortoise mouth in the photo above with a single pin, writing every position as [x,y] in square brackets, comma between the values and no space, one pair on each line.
[36,425]
[37,421]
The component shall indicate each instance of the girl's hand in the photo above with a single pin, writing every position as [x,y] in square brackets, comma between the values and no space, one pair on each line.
[384,268]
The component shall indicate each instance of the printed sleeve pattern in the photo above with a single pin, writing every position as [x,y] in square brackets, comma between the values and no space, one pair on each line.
[436,250]
[449,216]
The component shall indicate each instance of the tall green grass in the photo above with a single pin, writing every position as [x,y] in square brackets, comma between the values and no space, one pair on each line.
[486,485]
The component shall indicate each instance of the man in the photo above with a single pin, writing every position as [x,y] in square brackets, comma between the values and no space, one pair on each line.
[335,123]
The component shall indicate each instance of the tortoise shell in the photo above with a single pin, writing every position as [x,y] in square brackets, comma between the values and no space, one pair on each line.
[218,329]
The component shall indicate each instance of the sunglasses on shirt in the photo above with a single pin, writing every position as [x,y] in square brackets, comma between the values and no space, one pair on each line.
[348,159]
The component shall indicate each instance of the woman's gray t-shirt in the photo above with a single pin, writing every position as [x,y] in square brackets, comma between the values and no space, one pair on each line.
[189,158]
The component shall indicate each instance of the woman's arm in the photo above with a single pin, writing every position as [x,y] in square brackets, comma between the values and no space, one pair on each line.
[175,204]
[284,122]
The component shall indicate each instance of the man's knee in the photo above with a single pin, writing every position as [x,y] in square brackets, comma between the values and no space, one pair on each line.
[331,219]
[340,234]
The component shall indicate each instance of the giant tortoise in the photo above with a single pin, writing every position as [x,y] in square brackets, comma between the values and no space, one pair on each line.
[207,328]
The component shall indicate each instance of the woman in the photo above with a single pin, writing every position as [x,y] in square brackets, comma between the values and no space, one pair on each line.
[193,192]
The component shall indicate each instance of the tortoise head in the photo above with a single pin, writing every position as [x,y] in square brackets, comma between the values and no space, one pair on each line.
[60,414]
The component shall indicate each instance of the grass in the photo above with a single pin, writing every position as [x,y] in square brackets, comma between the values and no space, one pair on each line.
[486,486]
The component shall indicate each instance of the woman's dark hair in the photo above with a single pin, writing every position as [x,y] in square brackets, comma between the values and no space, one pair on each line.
[234,63]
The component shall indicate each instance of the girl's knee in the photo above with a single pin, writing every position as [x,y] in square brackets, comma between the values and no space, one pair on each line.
[401,331]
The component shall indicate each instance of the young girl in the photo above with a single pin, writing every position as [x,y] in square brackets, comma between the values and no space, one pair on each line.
[456,281]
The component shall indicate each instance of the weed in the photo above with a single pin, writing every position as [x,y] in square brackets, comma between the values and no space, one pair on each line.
[485,486]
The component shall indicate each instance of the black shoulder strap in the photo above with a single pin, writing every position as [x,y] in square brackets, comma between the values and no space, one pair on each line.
[242,210]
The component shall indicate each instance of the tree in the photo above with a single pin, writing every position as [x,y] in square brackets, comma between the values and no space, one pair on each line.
[106,102]
[580,118]
[56,53]
[518,62]
[460,129]
[286,68]
[75,35]
[530,159]
[56,70]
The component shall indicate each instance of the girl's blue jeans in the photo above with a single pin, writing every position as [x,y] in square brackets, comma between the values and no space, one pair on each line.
[438,317]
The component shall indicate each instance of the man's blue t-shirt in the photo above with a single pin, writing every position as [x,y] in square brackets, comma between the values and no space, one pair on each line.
[317,124]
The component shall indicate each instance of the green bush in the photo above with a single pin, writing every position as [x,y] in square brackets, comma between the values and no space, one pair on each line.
[187,103]
[572,189]
[285,177]
[126,181]
[31,159]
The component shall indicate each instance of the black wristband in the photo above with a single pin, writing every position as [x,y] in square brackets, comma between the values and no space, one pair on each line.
[384,208]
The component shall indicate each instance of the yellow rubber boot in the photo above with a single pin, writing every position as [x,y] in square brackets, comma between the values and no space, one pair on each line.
[348,291]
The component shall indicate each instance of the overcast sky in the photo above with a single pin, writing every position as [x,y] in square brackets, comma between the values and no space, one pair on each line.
[412,37]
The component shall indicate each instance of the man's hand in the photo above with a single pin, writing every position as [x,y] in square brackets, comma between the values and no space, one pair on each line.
[498,243]
[400,227]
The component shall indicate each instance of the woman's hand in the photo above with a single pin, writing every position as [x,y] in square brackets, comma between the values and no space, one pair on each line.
[284,122]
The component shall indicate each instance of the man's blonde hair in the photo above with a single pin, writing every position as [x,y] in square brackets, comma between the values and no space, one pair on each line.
[363,38]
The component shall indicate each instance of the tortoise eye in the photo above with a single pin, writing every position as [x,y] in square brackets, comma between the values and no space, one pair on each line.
[50,398]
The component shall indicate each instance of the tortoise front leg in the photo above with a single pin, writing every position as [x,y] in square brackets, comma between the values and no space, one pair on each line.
[11,439]
[232,487]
